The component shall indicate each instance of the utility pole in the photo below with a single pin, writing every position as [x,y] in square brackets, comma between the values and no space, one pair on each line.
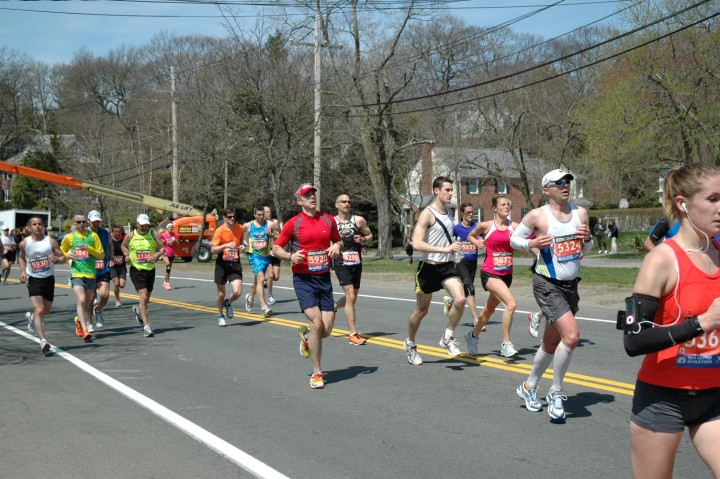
[175,166]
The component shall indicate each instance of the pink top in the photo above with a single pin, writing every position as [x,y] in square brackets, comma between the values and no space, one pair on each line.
[498,252]
[169,240]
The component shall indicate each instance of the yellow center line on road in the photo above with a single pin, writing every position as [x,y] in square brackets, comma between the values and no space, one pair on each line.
[485,361]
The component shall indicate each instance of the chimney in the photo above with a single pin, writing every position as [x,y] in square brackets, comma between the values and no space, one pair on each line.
[427,169]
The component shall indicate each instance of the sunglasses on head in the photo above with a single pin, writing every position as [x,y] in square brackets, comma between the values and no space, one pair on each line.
[559,183]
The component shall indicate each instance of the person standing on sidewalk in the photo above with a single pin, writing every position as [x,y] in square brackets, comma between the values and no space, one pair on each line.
[39,254]
[313,240]
[613,234]
[562,235]
[436,270]
[599,232]
[169,239]
[227,243]
[348,265]
[8,254]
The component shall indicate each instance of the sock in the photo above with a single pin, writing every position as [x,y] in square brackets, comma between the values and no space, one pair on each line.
[540,363]
[449,334]
[410,343]
[563,355]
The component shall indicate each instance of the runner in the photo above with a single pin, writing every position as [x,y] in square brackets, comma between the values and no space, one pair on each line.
[673,317]
[496,273]
[8,254]
[38,256]
[142,248]
[436,270]
[273,272]
[562,236]
[314,240]
[118,271]
[83,247]
[102,271]
[348,265]
[257,245]
[468,266]
[169,239]
[228,241]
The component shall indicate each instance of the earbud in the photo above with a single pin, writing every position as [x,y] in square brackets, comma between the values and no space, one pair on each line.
[684,207]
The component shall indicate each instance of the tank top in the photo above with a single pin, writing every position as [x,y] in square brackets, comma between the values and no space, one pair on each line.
[169,241]
[102,266]
[118,259]
[561,260]
[436,236]
[37,254]
[460,231]
[694,364]
[142,247]
[498,252]
[259,239]
[83,265]
[350,252]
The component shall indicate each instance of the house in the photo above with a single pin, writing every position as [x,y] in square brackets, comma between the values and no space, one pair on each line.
[480,174]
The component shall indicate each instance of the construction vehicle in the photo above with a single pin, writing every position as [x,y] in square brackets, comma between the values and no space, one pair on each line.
[189,227]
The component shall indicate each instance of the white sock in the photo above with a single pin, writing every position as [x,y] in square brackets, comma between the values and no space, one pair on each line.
[563,355]
[410,343]
[449,334]
[540,363]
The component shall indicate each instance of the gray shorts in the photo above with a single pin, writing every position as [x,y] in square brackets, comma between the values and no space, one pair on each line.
[662,409]
[555,297]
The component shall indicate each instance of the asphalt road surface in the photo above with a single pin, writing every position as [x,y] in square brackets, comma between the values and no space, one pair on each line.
[199,401]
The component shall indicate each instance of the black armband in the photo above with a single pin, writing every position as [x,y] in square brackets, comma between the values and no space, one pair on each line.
[639,313]
[652,340]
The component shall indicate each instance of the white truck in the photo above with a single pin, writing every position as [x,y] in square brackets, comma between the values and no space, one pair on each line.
[16,218]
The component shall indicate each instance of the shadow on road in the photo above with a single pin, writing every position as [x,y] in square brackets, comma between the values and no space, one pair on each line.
[339,375]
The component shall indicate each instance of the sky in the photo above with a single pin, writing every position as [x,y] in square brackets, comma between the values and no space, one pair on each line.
[29,27]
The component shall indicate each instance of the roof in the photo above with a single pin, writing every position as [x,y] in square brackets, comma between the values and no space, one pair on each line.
[491,162]
[43,143]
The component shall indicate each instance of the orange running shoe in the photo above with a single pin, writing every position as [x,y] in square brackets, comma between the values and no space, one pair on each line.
[304,346]
[356,340]
[317,380]
[87,337]
[78,327]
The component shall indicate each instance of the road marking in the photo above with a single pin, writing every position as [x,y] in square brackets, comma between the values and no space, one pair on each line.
[240,458]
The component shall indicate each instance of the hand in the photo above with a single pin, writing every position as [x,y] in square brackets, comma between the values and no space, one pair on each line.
[456,246]
[298,257]
[542,241]
[584,231]
[23,277]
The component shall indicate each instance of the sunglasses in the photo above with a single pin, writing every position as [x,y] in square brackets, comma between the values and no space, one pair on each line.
[559,183]
[344,201]
[230,217]
[80,222]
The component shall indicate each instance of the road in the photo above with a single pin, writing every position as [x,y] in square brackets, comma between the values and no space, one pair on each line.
[202,401]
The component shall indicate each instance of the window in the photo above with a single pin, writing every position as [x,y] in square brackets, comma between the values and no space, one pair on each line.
[6,195]
[523,212]
[502,188]
[8,176]
[473,186]
[479,215]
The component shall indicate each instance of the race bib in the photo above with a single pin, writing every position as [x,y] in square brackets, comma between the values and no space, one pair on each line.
[81,254]
[568,248]
[231,255]
[170,240]
[317,261]
[41,264]
[468,247]
[700,352]
[118,260]
[259,245]
[8,248]
[99,264]
[143,256]
[350,258]
[502,261]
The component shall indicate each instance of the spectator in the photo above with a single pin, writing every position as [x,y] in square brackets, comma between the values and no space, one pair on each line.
[613,233]
[599,232]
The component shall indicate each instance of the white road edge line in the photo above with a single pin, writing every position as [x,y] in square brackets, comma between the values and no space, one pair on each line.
[242,459]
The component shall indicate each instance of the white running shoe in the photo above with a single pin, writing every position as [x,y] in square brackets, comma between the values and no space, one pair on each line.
[472,343]
[534,326]
[412,354]
[248,303]
[31,322]
[90,328]
[447,304]
[99,319]
[530,397]
[221,321]
[147,332]
[507,349]
[555,399]
[118,303]
[270,301]
[451,345]
[266,311]
[45,346]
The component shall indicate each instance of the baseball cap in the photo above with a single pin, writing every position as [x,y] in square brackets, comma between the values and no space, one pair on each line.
[304,189]
[143,219]
[555,175]
[169,225]
[94,215]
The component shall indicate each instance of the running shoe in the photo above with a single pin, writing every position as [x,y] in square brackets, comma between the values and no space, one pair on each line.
[44,346]
[304,346]
[447,304]
[508,350]
[555,399]
[31,322]
[138,318]
[78,327]
[118,303]
[70,281]
[147,332]
[266,311]
[99,319]
[270,300]
[530,396]
[228,309]
[90,327]
[317,380]
[87,337]
[534,326]
[95,301]
[412,354]
[356,340]
[472,343]
[167,285]
[451,345]
[221,321]
[248,303]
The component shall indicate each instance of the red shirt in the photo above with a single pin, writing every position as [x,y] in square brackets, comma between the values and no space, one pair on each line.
[314,234]
[693,364]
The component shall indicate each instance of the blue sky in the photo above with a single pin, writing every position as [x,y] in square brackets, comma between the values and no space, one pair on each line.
[55,37]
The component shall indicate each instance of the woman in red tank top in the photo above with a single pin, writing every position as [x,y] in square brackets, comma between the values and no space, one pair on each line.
[673,318]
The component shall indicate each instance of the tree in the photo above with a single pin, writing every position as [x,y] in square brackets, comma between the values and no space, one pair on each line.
[34,194]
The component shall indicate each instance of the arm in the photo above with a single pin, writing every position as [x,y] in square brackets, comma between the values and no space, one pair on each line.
[22,261]
[367,235]
[161,247]
[125,244]
[97,249]
[474,235]
[58,255]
